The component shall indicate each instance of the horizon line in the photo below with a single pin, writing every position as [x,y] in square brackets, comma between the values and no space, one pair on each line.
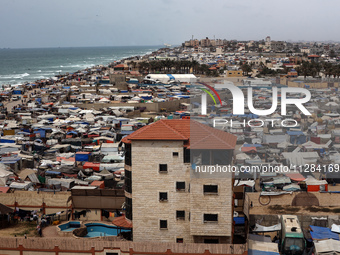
[57,47]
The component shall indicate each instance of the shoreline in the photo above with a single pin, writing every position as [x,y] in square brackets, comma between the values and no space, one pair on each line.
[104,64]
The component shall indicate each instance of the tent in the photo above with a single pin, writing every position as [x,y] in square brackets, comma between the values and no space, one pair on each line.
[327,247]
[315,185]
[262,248]
[291,187]
[260,228]
[4,174]
[320,233]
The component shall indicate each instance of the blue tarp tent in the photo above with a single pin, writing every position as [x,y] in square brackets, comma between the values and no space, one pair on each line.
[6,141]
[323,233]
[296,137]
[82,156]
[17,92]
[72,133]
[53,173]
[40,133]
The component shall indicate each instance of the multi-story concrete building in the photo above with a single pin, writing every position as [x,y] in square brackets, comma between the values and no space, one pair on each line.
[205,42]
[277,45]
[164,201]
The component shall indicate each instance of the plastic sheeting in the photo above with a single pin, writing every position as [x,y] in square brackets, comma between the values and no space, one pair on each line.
[262,248]
[320,233]
[327,247]
[260,228]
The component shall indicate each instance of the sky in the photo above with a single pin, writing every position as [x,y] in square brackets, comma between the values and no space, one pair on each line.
[75,23]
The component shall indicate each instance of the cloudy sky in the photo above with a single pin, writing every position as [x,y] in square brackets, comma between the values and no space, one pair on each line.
[72,23]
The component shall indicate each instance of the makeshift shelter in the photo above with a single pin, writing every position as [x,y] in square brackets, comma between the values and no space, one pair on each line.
[21,185]
[327,247]
[315,185]
[320,233]
[5,213]
[4,175]
[262,248]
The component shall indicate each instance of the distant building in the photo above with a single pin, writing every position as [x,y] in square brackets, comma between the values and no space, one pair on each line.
[277,45]
[234,73]
[205,42]
[305,50]
[163,201]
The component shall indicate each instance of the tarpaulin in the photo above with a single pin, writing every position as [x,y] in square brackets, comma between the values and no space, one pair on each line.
[94,166]
[322,233]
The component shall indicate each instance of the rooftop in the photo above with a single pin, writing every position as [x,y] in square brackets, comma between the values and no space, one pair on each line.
[199,135]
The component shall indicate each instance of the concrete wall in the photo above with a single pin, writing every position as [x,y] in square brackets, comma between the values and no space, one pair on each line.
[35,200]
[70,246]
[312,85]
[325,199]
[305,220]
[173,105]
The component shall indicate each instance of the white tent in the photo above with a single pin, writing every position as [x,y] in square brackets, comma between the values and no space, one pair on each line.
[327,247]
[4,174]
[104,100]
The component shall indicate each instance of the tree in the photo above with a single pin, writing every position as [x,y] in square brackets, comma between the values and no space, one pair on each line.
[246,69]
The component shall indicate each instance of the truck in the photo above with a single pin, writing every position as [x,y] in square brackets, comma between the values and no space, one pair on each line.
[291,236]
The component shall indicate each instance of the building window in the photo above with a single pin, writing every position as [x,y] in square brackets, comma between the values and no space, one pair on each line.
[210,217]
[163,168]
[163,224]
[186,155]
[211,241]
[180,215]
[210,189]
[179,240]
[180,186]
[163,196]
[175,154]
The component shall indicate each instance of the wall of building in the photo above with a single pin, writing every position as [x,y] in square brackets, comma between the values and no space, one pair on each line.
[237,73]
[220,203]
[312,85]
[147,182]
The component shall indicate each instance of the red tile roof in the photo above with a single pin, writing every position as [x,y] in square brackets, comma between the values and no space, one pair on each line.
[122,222]
[199,136]
[175,130]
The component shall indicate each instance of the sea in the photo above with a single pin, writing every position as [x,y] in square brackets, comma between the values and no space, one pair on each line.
[18,66]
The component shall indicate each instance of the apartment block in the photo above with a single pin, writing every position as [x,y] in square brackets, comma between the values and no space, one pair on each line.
[164,201]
